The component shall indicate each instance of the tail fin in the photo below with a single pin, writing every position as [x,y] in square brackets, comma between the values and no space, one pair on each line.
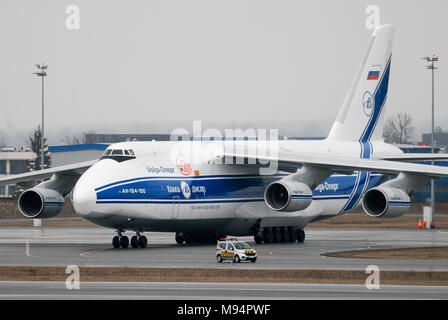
[362,114]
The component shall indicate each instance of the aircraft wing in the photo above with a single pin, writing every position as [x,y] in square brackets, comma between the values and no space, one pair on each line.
[337,163]
[416,157]
[74,170]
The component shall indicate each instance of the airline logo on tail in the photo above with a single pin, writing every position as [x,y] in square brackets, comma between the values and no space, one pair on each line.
[367,103]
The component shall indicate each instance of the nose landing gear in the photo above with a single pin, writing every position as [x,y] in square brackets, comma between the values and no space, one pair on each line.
[123,241]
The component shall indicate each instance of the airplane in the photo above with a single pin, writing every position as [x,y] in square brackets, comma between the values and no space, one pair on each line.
[146,187]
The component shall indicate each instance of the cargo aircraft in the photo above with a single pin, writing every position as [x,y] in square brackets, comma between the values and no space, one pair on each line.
[140,187]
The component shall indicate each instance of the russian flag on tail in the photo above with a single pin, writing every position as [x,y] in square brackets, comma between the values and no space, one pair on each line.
[373,75]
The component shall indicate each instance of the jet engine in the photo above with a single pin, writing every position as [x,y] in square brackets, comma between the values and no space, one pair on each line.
[40,203]
[386,202]
[288,195]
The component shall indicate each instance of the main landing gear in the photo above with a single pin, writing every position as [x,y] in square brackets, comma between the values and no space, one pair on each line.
[190,238]
[280,234]
[123,241]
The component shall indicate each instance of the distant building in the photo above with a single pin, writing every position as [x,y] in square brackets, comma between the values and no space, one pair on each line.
[440,139]
[68,154]
[412,148]
[13,161]
[440,185]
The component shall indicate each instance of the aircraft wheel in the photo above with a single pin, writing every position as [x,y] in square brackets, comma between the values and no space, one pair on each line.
[134,242]
[188,238]
[267,235]
[124,242]
[284,235]
[180,237]
[142,242]
[300,234]
[116,242]
[276,235]
[258,237]
[291,235]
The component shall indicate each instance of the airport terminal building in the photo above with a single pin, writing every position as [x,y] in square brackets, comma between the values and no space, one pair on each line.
[13,161]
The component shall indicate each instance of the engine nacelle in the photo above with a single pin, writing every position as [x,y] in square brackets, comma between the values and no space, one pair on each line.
[286,195]
[40,203]
[386,202]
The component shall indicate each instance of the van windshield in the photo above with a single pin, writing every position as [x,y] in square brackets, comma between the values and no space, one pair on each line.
[242,245]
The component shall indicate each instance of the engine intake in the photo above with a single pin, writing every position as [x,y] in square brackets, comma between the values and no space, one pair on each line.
[386,202]
[285,195]
[40,203]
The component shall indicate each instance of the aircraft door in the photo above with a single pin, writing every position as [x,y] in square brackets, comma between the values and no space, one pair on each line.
[175,208]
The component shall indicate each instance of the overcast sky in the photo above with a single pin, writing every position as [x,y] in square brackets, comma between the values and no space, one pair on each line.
[140,66]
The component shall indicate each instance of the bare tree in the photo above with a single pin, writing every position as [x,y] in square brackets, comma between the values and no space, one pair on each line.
[398,129]
[77,138]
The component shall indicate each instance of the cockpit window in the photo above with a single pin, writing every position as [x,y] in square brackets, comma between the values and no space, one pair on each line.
[118,155]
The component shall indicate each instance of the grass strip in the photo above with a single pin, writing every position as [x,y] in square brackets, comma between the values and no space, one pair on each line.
[127,274]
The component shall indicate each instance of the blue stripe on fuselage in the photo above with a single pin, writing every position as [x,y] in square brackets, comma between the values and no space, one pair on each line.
[218,189]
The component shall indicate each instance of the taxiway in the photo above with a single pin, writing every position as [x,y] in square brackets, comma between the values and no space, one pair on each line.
[92,247]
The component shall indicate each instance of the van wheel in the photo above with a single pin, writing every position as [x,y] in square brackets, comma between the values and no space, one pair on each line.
[219,258]
[237,259]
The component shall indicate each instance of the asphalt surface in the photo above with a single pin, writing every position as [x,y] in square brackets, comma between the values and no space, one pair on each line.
[92,247]
[212,291]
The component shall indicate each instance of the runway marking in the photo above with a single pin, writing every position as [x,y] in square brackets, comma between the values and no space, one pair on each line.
[55,237]
[27,249]
[83,254]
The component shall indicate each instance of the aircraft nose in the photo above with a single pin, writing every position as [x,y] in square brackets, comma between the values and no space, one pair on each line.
[83,197]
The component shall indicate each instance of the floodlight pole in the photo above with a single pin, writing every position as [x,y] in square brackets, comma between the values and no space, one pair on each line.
[432,68]
[42,73]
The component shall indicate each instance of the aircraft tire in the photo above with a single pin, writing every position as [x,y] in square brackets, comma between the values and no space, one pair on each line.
[276,235]
[134,242]
[258,237]
[142,242]
[300,234]
[124,242]
[180,237]
[292,235]
[188,238]
[284,234]
[267,235]
[116,242]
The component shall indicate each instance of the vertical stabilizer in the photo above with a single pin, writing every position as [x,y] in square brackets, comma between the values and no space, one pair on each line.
[362,114]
